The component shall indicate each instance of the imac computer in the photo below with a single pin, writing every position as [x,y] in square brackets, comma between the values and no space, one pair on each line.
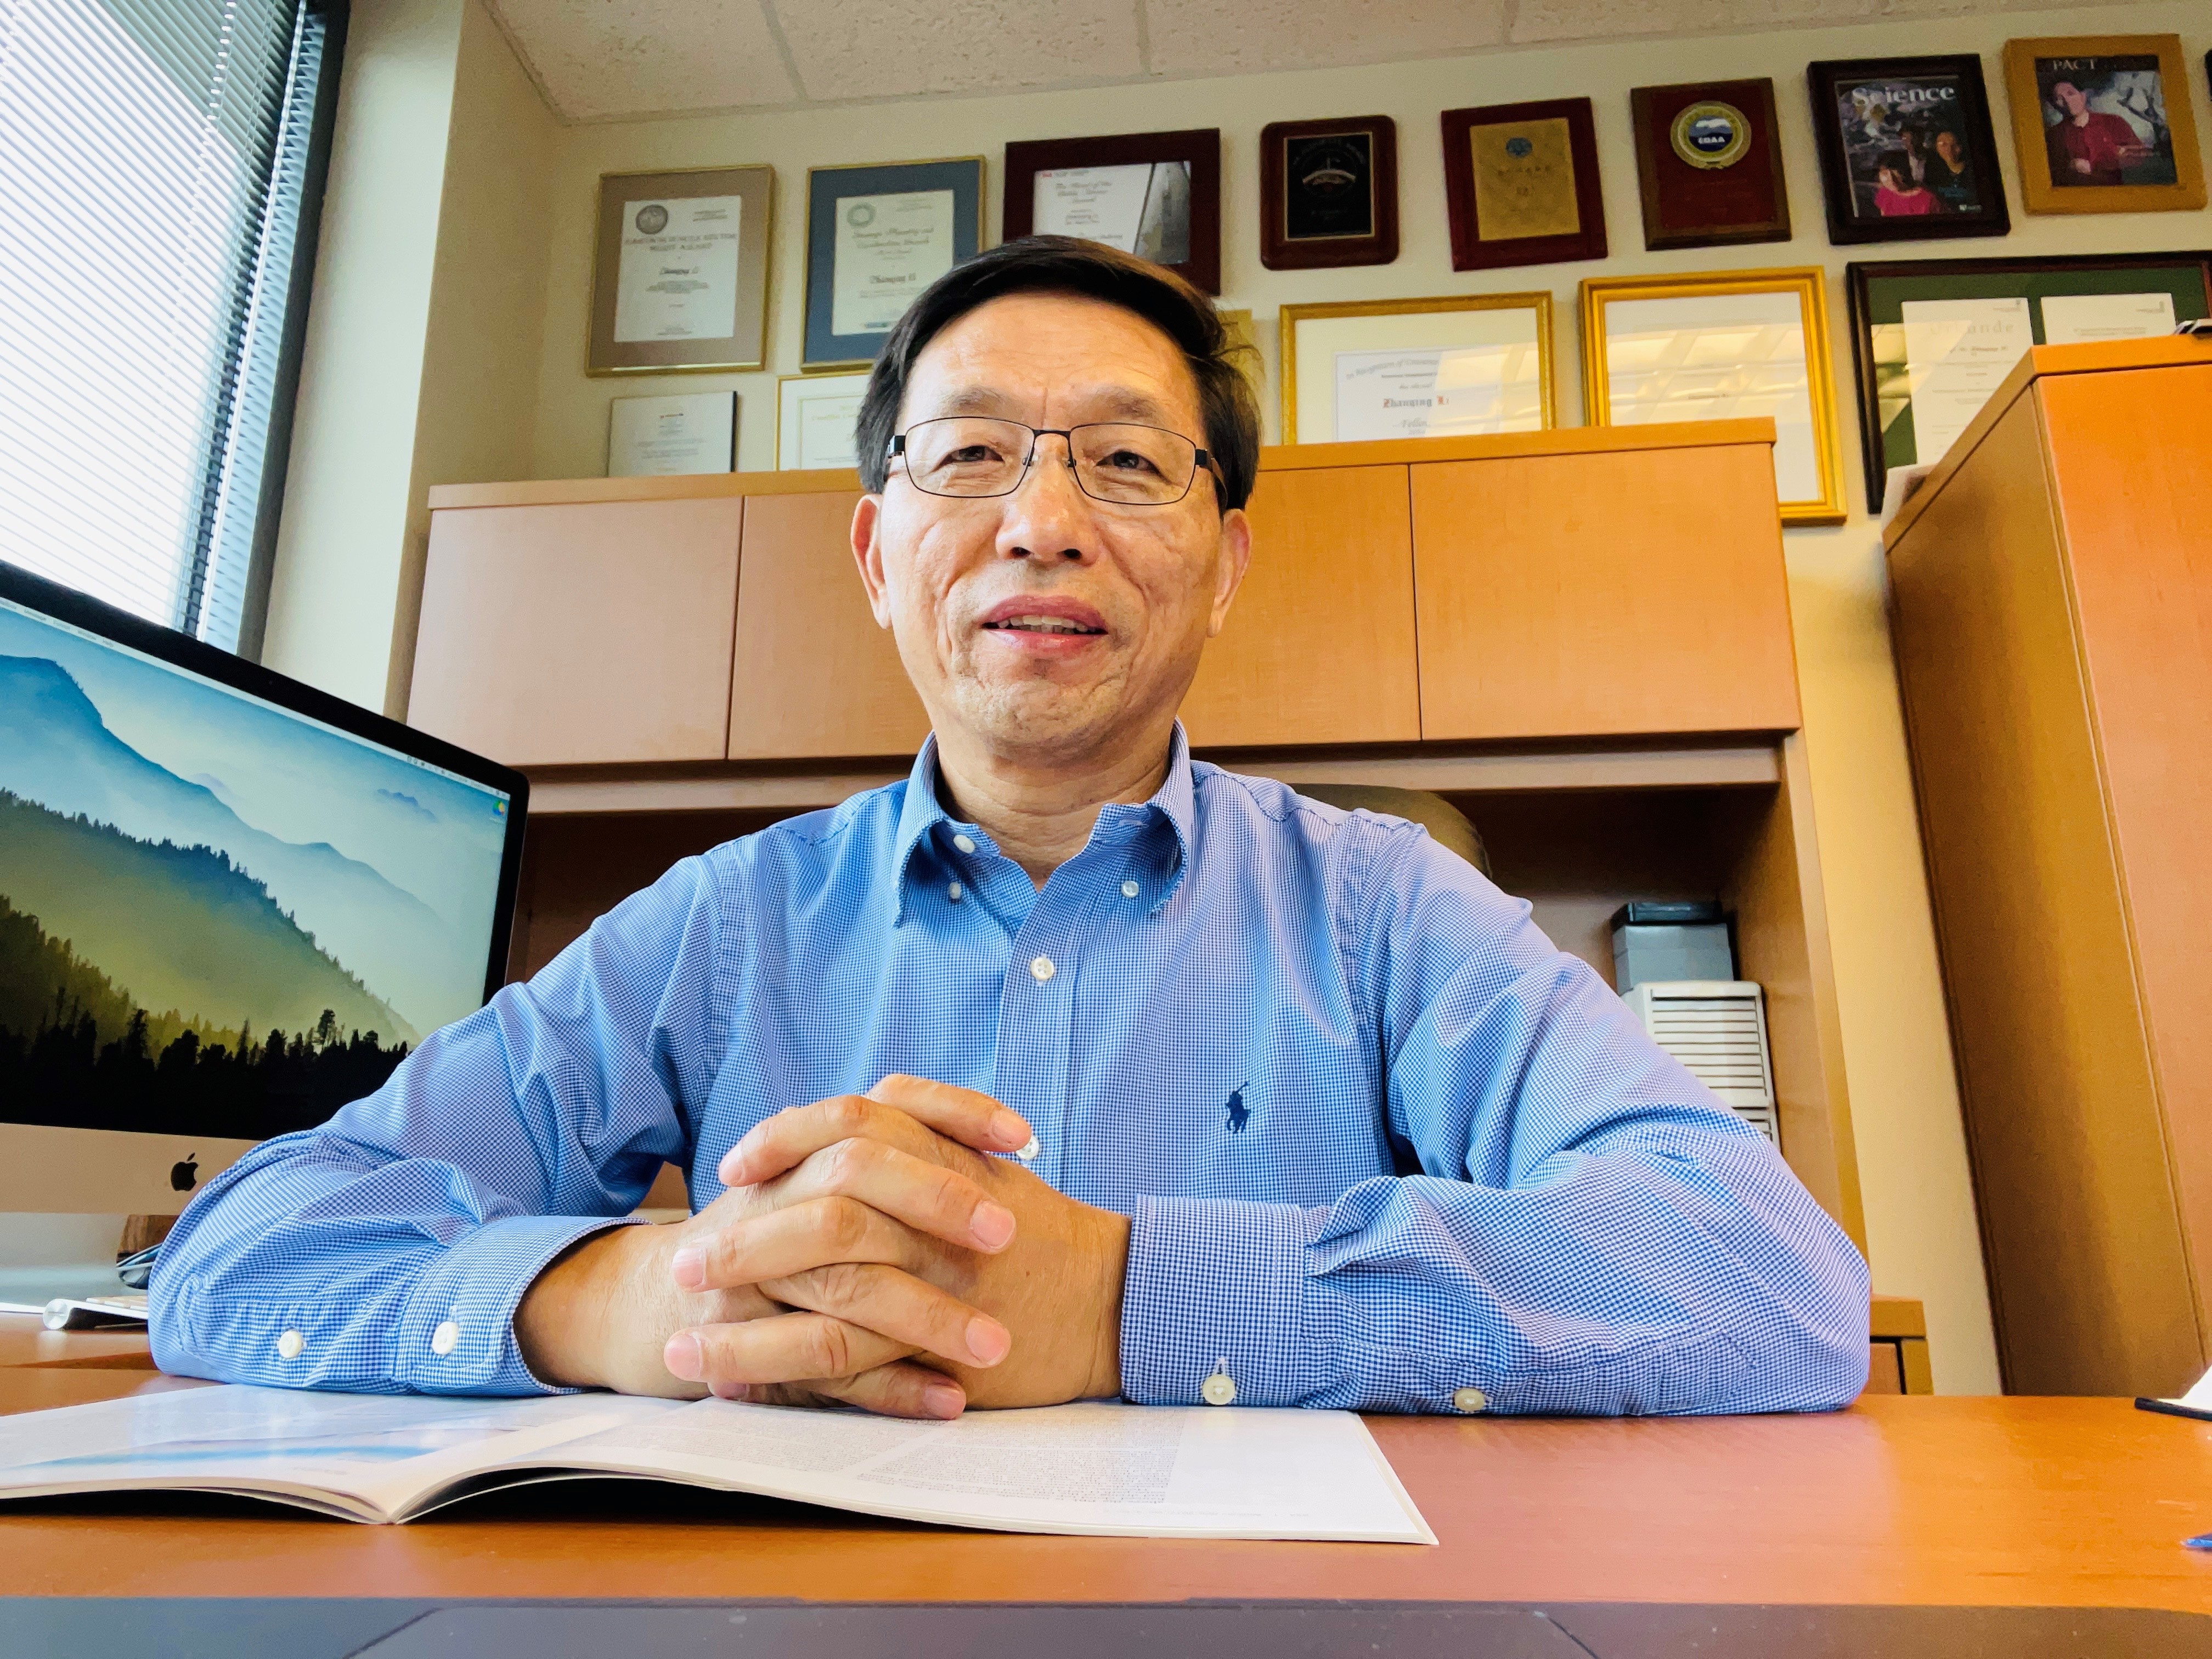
[229,903]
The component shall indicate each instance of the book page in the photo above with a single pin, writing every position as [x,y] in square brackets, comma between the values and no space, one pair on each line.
[1093,1467]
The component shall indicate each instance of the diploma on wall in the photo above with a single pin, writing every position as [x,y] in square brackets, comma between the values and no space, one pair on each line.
[1957,352]
[889,248]
[661,437]
[677,276]
[1437,393]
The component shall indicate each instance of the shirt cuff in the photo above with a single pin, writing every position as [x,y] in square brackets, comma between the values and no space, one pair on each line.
[1218,1283]
[456,1334]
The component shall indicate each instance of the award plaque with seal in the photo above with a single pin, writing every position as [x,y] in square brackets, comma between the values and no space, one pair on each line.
[1709,164]
[1329,193]
[1522,184]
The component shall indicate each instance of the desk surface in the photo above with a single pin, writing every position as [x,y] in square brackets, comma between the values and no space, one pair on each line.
[1901,1500]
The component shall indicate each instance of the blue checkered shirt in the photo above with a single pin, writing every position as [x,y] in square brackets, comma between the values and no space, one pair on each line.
[1382,1144]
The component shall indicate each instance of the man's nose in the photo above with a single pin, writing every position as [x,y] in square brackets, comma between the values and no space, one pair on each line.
[1048,513]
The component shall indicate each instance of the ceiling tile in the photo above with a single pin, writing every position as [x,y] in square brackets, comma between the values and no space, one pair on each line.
[1192,37]
[600,58]
[902,48]
[1591,20]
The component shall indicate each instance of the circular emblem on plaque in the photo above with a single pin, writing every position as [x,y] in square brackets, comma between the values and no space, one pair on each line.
[1518,147]
[652,219]
[860,215]
[1711,135]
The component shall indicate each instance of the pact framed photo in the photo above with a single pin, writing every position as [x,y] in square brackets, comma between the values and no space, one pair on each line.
[1907,151]
[2102,124]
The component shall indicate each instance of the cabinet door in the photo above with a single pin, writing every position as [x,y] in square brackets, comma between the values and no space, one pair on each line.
[814,674]
[1603,594]
[1318,646]
[580,634]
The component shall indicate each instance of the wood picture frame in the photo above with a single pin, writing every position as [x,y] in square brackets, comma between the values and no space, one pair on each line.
[1673,337]
[1387,341]
[1709,164]
[675,251]
[2103,124]
[843,308]
[1329,193]
[1882,364]
[1173,208]
[1868,111]
[1540,180]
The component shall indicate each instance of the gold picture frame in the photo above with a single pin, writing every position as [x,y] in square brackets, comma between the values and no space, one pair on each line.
[2033,72]
[1338,330]
[623,198]
[1697,356]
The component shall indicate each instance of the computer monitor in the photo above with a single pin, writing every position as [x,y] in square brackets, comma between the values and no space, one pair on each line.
[229,903]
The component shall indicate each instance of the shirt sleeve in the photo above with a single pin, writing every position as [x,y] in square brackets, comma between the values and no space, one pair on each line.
[1590,1231]
[386,1251]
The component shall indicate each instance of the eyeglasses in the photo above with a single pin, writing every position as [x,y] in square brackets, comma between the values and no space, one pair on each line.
[968,456]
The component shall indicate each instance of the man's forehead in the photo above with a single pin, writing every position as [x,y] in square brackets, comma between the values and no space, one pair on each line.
[1023,354]
[1106,400]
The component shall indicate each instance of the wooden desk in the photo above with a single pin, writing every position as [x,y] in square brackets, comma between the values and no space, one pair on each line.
[1918,1501]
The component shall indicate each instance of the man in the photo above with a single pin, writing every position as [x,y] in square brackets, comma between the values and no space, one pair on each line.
[1303,1110]
[1954,178]
[2089,146]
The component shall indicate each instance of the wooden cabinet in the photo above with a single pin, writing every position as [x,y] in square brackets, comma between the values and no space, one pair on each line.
[580,634]
[1560,599]
[1318,646]
[814,674]
[2051,588]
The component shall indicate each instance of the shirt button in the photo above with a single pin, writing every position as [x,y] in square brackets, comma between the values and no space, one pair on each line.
[954,892]
[443,1338]
[291,1344]
[1470,1399]
[1130,890]
[1219,1390]
[1041,970]
[963,843]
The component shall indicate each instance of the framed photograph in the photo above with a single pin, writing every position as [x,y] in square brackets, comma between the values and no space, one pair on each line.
[1329,193]
[1521,185]
[1907,154]
[661,437]
[1154,194]
[814,418]
[680,271]
[1462,365]
[1722,346]
[2102,125]
[877,236]
[1932,338]
[1709,164]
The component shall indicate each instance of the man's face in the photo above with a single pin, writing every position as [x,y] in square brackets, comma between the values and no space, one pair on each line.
[2071,99]
[979,593]
[1947,146]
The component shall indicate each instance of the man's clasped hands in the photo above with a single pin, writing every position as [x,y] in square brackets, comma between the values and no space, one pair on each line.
[868,1251]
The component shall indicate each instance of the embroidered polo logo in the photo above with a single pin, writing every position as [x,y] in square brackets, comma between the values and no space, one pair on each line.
[1239,1112]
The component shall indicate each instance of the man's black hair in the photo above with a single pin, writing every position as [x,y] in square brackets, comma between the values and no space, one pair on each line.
[1067,264]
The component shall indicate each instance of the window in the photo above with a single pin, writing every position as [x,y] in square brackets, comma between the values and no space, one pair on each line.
[160,167]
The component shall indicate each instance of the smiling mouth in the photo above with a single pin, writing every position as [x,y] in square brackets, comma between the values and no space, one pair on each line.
[1039,625]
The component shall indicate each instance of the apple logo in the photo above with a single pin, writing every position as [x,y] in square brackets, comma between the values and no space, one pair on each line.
[186,1175]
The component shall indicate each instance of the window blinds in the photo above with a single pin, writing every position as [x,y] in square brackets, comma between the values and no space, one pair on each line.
[154,157]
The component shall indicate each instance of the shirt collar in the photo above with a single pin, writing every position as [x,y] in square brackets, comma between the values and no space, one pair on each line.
[1174,800]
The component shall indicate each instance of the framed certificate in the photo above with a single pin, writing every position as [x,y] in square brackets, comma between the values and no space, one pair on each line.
[2101,124]
[661,437]
[876,237]
[1718,347]
[1329,193]
[1907,154]
[680,271]
[1709,164]
[1460,366]
[1932,338]
[1521,185]
[814,418]
[1154,194]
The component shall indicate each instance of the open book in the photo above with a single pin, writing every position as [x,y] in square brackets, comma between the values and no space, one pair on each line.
[1162,1472]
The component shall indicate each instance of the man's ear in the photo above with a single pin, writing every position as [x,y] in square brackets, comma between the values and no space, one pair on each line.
[868,553]
[1229,569]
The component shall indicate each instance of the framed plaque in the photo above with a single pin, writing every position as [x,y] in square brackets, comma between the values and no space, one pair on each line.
[1709,164]
[2101,124]
[663,437]
[814,418]
[1722,346]
[1906,150]
[877,236]
[1522,184]
[1154,194]
[1329,193]
[1462,365]
[1932,338]
[680,271]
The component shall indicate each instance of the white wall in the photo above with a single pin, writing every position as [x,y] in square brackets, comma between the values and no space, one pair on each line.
[341,594]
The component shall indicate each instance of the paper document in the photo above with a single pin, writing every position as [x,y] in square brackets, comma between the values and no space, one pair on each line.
[1163,1472]
[2071,318]
[1957,352]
